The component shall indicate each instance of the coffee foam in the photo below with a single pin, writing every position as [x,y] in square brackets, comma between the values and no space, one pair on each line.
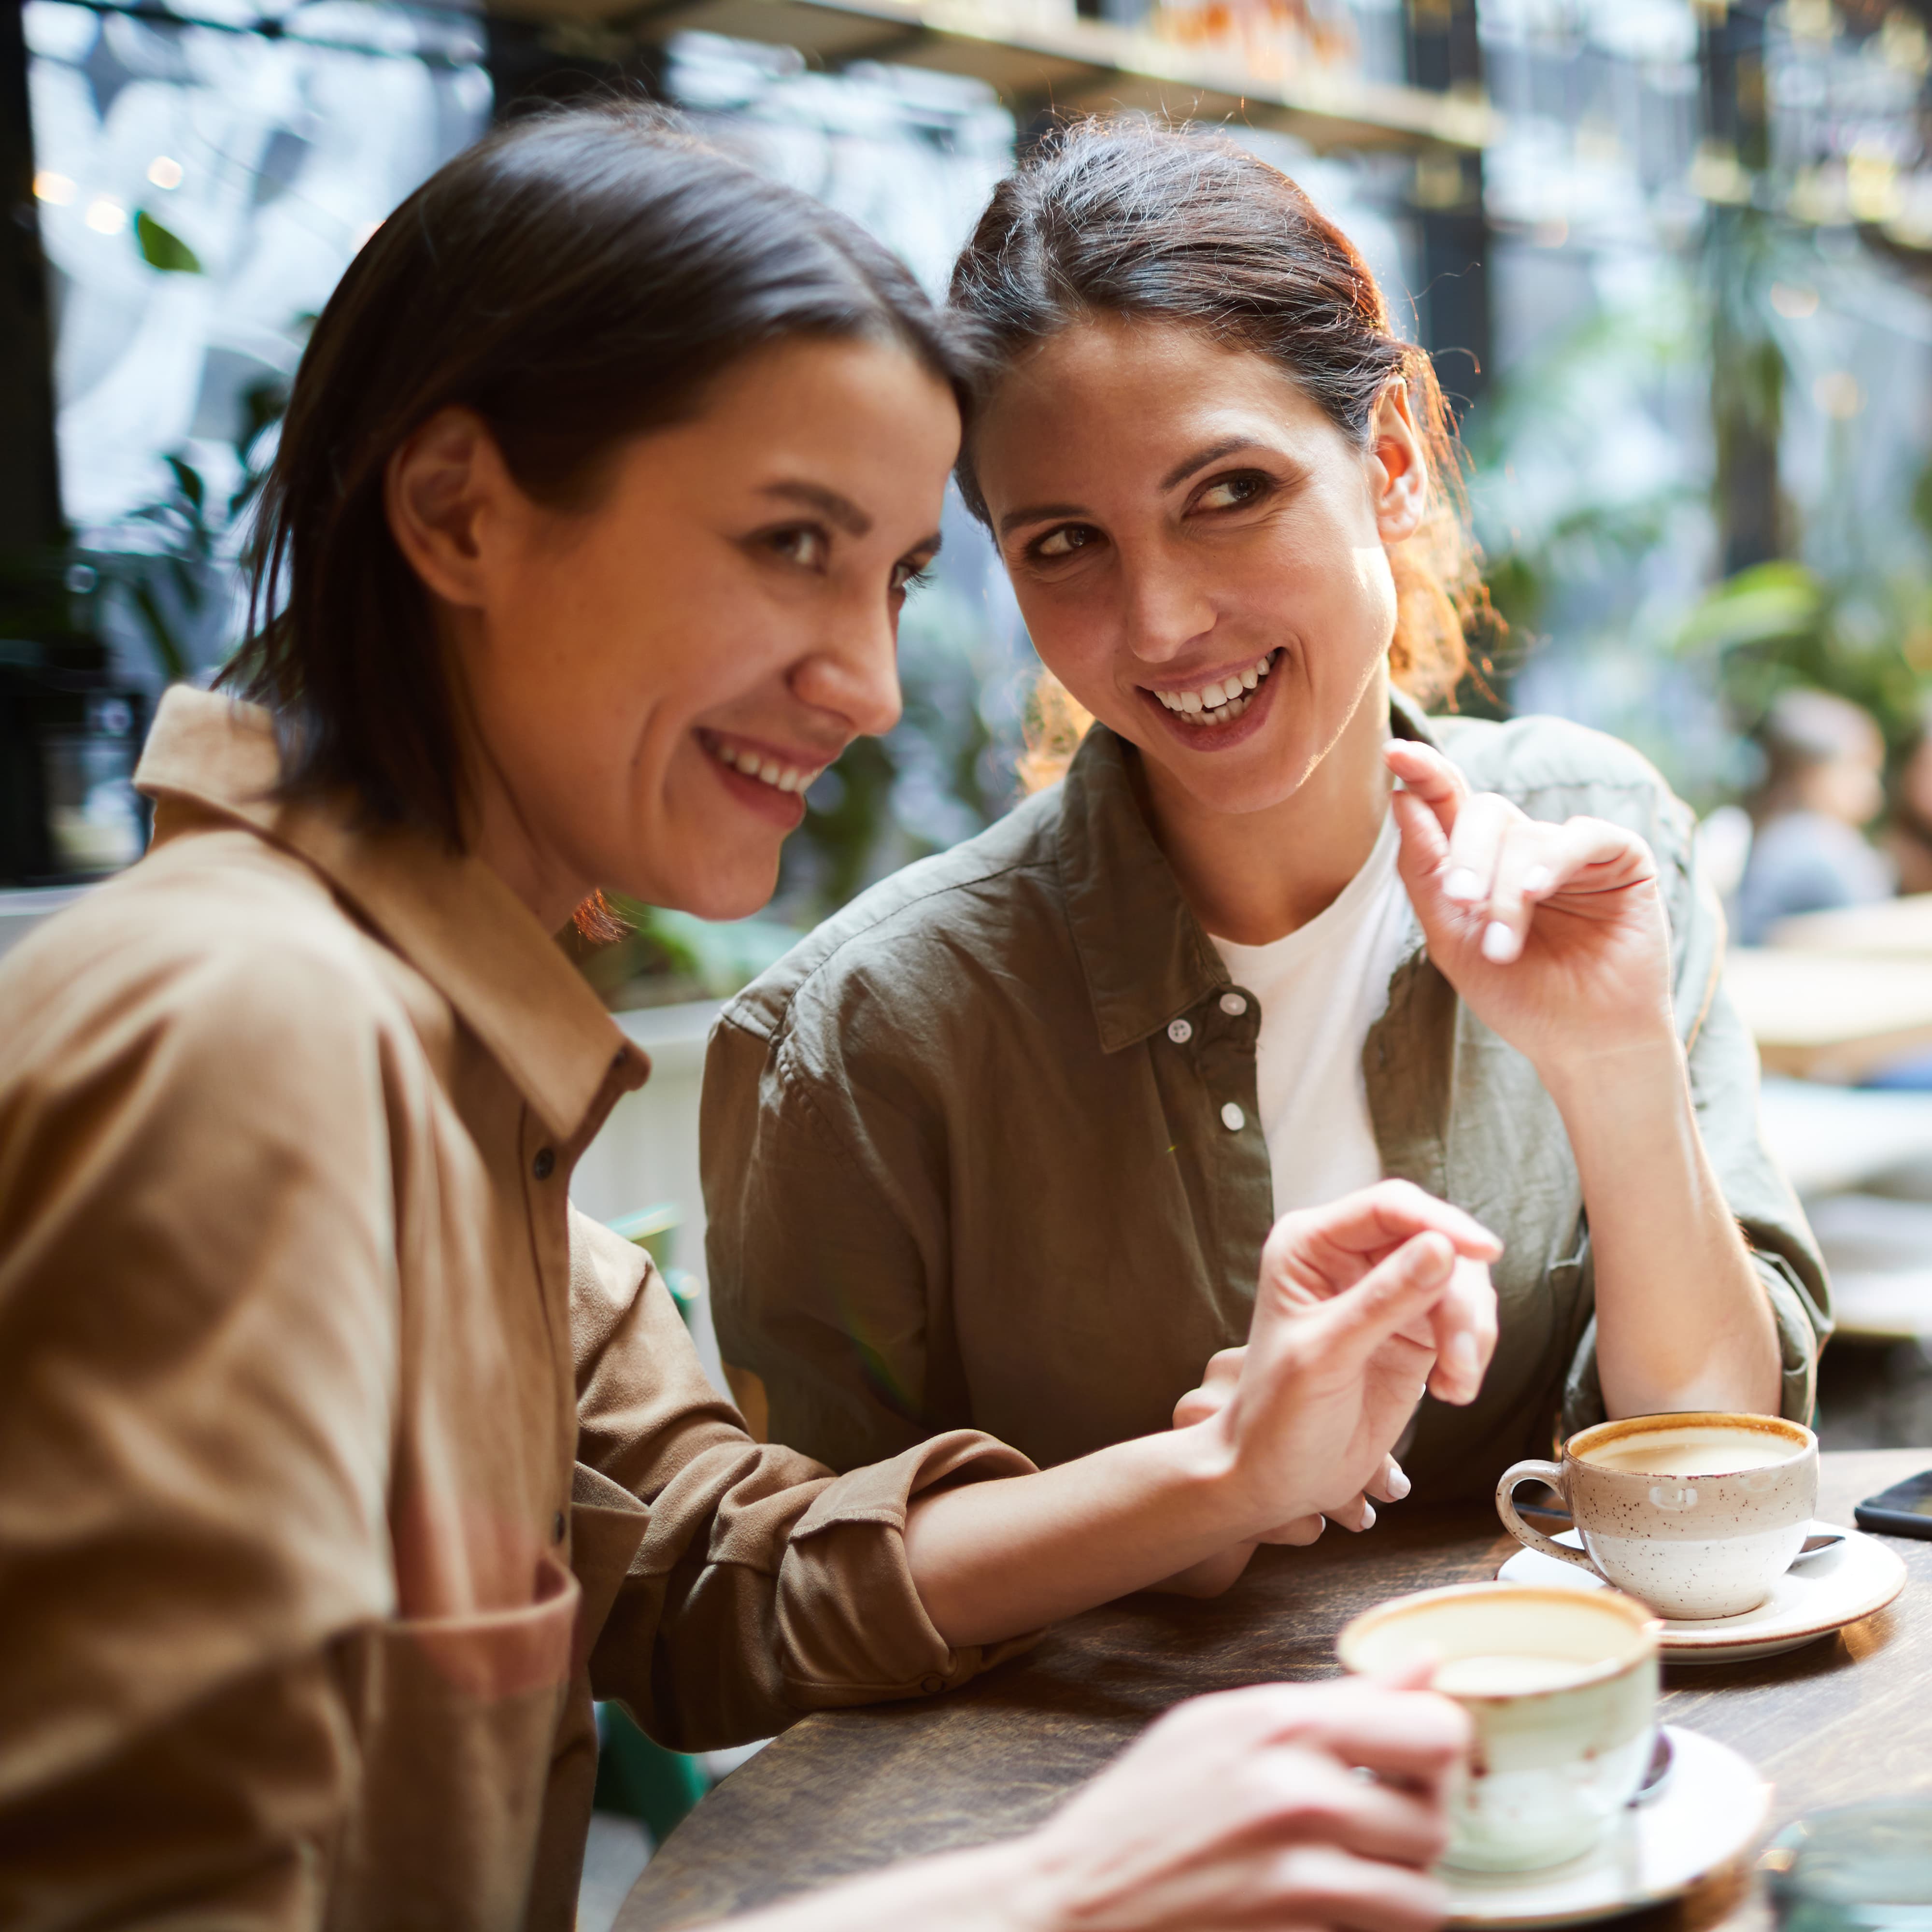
[1699,1450]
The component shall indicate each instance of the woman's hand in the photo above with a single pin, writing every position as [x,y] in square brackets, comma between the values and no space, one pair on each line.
[1313,1404]
[1389,1485]
[1264,1818]
[1554,935]
[1248,1809]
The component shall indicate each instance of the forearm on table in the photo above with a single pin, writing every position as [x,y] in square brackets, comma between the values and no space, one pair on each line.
[1683,1320]
[993,1559]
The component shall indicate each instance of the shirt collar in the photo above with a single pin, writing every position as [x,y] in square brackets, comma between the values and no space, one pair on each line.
[1146,958]
[448,914]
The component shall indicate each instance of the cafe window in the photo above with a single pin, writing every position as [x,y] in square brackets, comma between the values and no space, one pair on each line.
[204,175]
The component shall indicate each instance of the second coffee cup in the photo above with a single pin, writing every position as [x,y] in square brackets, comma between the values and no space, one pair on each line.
[1697,1514]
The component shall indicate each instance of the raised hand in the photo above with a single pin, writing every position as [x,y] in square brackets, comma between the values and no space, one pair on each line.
[1554,935]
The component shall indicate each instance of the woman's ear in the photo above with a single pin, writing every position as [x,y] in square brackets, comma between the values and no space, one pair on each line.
[439,490]
[1399,470]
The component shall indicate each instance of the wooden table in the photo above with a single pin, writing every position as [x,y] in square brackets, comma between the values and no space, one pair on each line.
[1849,1717]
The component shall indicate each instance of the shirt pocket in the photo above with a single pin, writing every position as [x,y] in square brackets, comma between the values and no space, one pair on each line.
[457,1719]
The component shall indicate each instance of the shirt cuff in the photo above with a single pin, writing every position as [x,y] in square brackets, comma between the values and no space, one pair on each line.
[851,1624]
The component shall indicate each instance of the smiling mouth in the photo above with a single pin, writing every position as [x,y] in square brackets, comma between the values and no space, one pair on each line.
[1220,701]
[753,761]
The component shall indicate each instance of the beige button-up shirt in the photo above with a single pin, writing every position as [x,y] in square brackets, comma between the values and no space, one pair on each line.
[341,1462]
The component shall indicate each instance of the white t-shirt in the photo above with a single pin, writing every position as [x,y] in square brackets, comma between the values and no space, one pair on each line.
[1321,989]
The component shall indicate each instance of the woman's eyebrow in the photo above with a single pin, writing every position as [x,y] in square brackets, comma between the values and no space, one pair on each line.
[843,512]
[1228,445]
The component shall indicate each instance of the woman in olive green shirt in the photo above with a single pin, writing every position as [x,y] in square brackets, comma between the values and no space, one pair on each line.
[999,1145]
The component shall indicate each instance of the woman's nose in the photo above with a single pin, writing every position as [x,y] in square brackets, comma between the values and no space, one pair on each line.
[856,678]
[1166,611]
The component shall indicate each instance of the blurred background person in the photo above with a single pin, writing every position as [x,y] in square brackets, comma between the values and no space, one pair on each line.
[1824,759]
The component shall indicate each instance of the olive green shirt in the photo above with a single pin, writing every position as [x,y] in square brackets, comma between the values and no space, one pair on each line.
[963,1165]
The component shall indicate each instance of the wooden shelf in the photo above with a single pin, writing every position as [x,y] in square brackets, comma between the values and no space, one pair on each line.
[1072,64]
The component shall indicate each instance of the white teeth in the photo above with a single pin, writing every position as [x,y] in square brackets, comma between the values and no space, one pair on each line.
[1226,715]
[1226,698]
[780,777]
[1220,695]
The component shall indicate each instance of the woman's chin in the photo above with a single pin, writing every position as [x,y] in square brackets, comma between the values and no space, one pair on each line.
[1234,785]
[736,886]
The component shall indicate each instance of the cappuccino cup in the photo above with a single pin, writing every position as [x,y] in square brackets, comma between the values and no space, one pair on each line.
[1560,1688]
[1697,1514]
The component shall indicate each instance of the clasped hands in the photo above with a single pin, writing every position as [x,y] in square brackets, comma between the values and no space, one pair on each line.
[1361,1307]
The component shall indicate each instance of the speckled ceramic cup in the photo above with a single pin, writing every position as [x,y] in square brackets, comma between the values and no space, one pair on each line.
[1560,1688]
[1698,1514]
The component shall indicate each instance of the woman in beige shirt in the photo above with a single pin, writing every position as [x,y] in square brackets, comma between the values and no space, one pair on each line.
[341,1463]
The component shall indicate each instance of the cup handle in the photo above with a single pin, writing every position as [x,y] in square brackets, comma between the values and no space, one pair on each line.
[1551,1473]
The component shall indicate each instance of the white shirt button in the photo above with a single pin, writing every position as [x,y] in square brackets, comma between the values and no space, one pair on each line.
[1233,1005]
[1232,1118]
[1180,1031]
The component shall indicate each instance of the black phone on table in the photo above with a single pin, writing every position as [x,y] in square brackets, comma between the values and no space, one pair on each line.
[1903,1510]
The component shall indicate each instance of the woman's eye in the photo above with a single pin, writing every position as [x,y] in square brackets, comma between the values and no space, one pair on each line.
[909,577]
[804,544]
[1065,540]
[1229,493]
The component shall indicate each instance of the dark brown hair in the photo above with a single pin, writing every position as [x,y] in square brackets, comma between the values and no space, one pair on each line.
[1117,218]
[577,278]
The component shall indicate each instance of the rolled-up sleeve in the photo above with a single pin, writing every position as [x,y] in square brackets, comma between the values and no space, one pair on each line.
[756,1585]
[1724,1067]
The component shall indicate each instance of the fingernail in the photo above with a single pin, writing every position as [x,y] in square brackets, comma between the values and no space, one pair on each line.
[1368,1514]
[1538,879]
[1463,1357]
[1463,884]
[1499,943]
[1398,1484]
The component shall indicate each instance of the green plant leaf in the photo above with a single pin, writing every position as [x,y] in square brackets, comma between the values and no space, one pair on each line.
[162,248]
[1769,601]
[187,480]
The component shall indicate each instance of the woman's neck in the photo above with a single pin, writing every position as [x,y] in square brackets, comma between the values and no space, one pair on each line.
[1255,877]
[496,828]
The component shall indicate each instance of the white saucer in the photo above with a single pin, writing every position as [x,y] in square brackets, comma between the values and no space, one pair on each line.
[1813,1598]
[1707,1812]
